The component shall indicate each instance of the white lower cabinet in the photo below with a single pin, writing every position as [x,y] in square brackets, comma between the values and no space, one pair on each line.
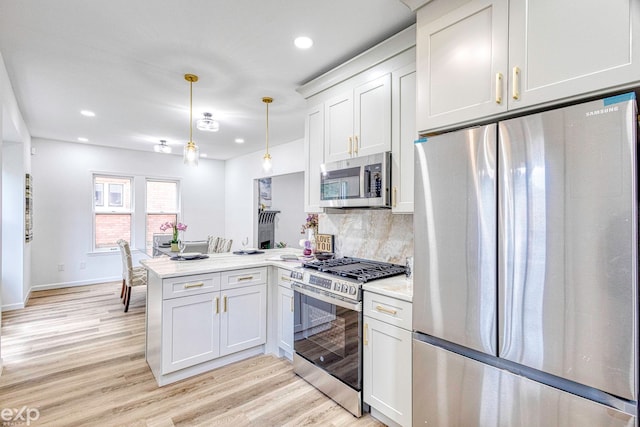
[203,318]
[190,331]
[387,357]
[285,320]
[286,317]
[243,323]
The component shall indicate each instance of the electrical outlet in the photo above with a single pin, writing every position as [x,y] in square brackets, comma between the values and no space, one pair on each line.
[60,267]
[83,265]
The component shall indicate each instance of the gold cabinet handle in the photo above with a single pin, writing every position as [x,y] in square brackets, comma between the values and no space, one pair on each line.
[285,278]
[240,279]
[350,145]
[498,88]
[291,304]
[355,148]
[386,310]
[225,304]
[364,334]
[217,305]
[394,196]
[516,83]
[193,285]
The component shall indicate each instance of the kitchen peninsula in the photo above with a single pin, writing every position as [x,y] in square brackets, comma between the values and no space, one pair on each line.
[203,314]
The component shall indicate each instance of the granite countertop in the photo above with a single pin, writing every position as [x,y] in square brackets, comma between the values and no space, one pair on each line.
[164,267]
[396,287]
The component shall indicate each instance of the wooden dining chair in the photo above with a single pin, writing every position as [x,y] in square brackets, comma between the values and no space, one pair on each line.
[131,276]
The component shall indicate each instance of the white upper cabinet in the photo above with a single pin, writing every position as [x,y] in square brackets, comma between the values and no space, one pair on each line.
[403,125]
[358,122]
[314,157]
[563,48]
[461,61]
[485,57]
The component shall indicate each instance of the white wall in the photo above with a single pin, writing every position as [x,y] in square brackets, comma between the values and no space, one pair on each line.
[240,195]
[63,197]
[287,196]
[13,128]
[13,225]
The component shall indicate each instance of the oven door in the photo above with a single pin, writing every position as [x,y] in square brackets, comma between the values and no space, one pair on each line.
[328,334]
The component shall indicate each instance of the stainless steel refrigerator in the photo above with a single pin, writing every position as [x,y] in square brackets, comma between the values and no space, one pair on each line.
[525,309]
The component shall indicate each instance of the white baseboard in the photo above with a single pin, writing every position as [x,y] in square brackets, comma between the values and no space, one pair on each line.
[77,283]
[19,306]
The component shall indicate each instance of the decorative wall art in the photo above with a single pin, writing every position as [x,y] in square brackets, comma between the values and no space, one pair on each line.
[264,188]
[28,209]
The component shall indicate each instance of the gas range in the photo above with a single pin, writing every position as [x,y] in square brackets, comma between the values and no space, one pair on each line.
[344,276]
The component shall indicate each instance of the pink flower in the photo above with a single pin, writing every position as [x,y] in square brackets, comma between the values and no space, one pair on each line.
[175,228]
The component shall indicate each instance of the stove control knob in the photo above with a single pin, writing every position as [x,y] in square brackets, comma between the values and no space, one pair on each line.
[336,287]
[345,288]
[352,290]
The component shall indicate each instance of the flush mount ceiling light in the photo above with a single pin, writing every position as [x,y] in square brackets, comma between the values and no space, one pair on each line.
[88,113]
[191,150]
[266,162]
[162,147]
[303,42]
[207,123]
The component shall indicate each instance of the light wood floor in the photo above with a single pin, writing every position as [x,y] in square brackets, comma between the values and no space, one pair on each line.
[75,357]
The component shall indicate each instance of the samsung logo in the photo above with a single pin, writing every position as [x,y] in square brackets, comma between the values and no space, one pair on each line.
[601,111]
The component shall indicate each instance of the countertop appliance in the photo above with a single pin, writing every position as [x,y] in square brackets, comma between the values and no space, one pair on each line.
[328,324]
[525,303]
[360,182]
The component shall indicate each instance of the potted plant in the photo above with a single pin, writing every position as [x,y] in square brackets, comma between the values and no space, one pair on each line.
[175,227]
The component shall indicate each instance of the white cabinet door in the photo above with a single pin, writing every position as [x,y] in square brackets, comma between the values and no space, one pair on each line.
[461,61]
[190,331]
[338,128]
[243,323]
[358,122]
[372,117]
[403,123]
[314,157]
[285,319]
[563,49]
[387,370]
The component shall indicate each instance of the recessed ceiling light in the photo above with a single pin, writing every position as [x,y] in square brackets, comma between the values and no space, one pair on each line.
[82,139]
[203,154]
[239,141]
[88,113]
[303,42]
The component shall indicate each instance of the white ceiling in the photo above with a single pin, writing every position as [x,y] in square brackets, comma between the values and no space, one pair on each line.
[126,59]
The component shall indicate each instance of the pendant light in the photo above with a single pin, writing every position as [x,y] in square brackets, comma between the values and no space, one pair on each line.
[162,147]
[206,123]
[266,162]
[191,150]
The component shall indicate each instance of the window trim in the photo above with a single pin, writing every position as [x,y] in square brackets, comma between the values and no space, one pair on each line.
[112,210]
[177,212]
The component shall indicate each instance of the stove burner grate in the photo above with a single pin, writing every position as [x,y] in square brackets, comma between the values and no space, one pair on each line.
[355,268]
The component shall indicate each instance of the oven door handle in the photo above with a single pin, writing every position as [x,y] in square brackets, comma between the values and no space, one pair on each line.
[326,298]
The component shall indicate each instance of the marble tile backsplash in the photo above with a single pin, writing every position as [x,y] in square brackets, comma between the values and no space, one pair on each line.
[375,234]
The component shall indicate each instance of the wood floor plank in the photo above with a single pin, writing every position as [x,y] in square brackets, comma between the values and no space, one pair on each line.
[74,356]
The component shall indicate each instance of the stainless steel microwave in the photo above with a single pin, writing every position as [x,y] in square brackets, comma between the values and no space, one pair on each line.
[361,182]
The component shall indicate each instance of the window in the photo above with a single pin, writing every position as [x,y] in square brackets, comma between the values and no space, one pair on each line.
[99,194]
[115,195]
[112,220]
[162,206]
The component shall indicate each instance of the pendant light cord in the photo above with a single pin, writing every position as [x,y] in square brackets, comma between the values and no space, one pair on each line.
[190,111]
[267,128]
